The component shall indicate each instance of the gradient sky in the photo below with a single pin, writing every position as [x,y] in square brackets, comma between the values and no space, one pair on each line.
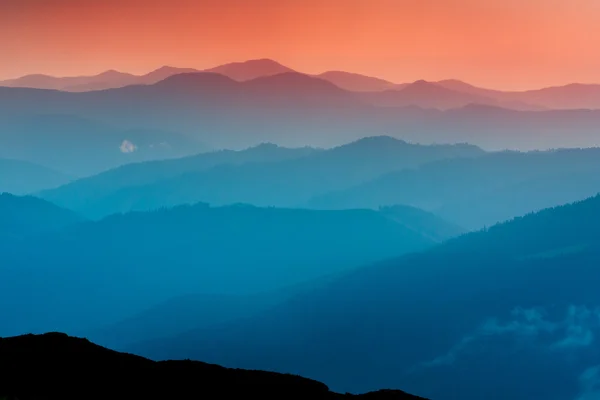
[505,44]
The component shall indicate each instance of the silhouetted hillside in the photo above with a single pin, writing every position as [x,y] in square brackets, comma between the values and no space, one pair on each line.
[510,312]
[23,216]
[288,183]
[55,366]
[481,191]
[22,177]
[124,264]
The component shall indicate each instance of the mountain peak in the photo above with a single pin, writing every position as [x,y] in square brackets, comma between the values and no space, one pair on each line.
[251,69]
[111,73]
[165,68]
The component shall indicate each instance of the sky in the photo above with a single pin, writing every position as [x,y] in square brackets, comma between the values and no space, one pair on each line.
[503,44]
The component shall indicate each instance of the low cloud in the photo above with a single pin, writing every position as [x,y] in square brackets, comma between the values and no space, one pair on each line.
[577,328]
[589,382]
[127,147]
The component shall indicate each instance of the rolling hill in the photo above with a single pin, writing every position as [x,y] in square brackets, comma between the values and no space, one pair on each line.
[513,308]
[480,191]
[82,193]
[124,264]
[290,179]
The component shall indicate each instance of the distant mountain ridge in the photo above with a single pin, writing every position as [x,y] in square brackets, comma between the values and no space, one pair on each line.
[480,191]
[293,109]
[274,176]
[571,96]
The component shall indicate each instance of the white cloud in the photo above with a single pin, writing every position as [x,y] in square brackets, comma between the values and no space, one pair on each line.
[127,147]
[526,322]
[574,330]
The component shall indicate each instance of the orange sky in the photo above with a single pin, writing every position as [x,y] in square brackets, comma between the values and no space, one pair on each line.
[510,44]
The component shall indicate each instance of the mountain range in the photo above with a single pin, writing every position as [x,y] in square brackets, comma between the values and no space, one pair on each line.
[369,281]
[573,96]
[294,110]
[478,191]
[241,249]
[506,312]
[260,175]
[436,237]
[462,183]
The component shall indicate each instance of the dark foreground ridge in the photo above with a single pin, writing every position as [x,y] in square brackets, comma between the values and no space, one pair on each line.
[56,366]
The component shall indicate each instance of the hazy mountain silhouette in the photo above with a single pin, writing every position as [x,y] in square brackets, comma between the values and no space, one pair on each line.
[202,310]
[294,110]
[124,264]
[571,96]
[514,306]
[251,69]
[105,80]
[83,191]
[163,73]
[480,191]
[82,146]
[427,95]
[22,177]
[239,71]
[292,181]
[356,82]
[55,366]
[23,216]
